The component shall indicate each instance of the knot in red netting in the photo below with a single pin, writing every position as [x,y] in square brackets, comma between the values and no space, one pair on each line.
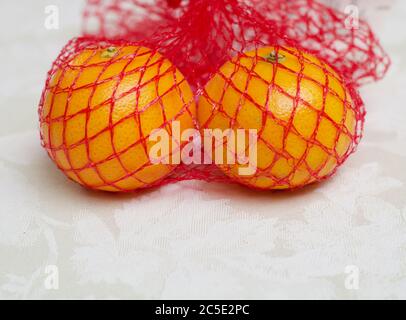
[260,92]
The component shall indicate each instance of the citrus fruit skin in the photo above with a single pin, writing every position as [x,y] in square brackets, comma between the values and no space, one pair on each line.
[304,115]
[99,108]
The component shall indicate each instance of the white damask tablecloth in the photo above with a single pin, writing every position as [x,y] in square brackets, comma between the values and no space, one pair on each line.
[345,238]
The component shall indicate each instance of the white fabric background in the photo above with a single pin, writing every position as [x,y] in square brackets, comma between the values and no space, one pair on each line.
[193,239]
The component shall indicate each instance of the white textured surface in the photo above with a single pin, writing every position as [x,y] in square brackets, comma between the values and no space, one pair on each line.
[196,240]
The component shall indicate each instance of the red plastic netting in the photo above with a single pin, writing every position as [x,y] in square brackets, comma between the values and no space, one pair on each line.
[288,69]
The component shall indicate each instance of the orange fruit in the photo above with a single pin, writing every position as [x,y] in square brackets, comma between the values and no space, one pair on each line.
[99,109]
[303,113]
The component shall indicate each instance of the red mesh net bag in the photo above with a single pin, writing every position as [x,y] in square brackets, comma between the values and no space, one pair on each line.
[258,92]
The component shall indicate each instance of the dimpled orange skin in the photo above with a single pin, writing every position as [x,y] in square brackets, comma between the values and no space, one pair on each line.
[300,106]
[99,109]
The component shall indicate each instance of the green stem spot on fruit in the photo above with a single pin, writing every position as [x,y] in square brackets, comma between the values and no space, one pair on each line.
[276,57]
[110,52]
